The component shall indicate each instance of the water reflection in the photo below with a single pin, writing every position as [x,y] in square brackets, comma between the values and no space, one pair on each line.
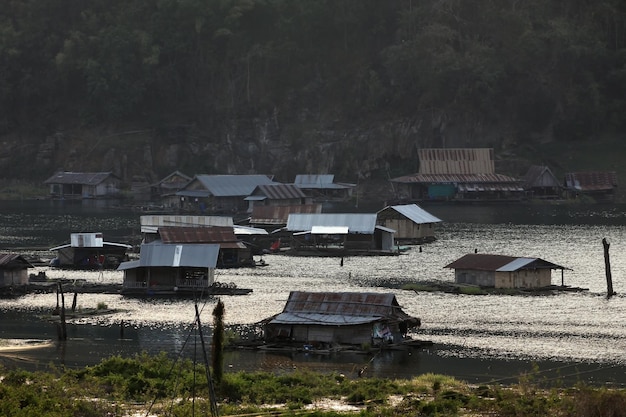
[475,337]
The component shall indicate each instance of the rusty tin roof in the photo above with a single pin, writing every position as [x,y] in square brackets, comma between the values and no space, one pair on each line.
[280,214]
[591,181]
[225,236]
[84,178]
[500,263]
[341,308]
[456,161]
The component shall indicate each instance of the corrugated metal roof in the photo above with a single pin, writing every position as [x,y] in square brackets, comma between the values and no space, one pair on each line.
[336,308]
[232,185]
[105,245]
[386,229]
[455,178]
[174,181]
[173,255]
[481,187]
[194,193]
[280,214]
[245,230]
[279,191]
[357,223]
[214,234]
[13,259]
[314,180]
[500,263]
[540,176]
[456,161]
[129,265]
[414,213]
[320,182]
[183,221]
[84,178]
[329,230]
[518,263]
[591,181]
[322,319]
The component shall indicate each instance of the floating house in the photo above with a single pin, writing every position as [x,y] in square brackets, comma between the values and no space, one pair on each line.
[540,183]
[170,269]
[78,185]
[501,271]
[458,175]
[339,234]
[169,185]
[276,195]
[336,318]
[412,223]
[13,271]
[233,253]
[324,187]
[219,193]
[89,251]
[600,185]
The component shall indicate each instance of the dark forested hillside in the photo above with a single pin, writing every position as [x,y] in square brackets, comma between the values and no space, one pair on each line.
[350,87]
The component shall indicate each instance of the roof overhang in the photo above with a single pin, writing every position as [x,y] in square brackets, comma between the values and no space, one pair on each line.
[329,230]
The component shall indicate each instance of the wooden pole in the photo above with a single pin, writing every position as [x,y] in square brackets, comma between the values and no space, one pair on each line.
[212,399]
[607,267]
[63,333]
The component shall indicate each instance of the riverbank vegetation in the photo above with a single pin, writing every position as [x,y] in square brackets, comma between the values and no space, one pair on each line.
[157,385]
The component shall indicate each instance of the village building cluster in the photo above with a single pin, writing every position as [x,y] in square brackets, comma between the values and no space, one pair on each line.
[208,222]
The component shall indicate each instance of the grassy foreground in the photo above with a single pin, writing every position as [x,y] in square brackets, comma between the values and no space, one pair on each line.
[157,386]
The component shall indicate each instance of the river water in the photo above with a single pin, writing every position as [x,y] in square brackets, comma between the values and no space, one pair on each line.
[569,336]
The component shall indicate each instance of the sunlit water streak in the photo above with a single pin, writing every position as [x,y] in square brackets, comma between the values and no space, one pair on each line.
[583,327]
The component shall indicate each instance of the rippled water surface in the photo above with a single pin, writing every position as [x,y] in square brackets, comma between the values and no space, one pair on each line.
[581,328]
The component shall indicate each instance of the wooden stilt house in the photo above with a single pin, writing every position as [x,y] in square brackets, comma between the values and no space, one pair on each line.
[330,318]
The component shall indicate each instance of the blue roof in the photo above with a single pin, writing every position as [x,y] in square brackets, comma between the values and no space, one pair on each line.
[232,185]
[415,213]
[357,223]
[175,255]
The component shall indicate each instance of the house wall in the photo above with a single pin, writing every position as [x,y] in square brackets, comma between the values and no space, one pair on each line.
[408,229]
[525,278]
[314,334]
[230,204]
[546,180]
[359,242]
[165,277]
[10,277]
[105,188]
[468,276]
[360,334]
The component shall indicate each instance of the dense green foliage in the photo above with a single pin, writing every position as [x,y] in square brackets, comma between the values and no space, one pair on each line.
[530,65]
[154,385]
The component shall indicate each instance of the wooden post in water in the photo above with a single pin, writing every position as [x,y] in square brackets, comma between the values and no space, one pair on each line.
[607,267]
[63,330]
